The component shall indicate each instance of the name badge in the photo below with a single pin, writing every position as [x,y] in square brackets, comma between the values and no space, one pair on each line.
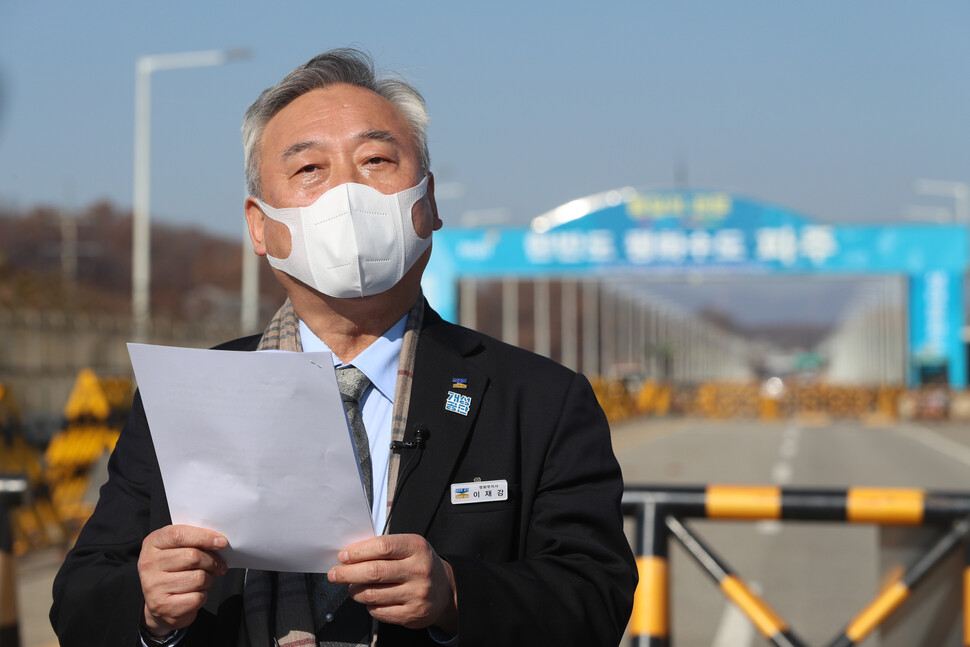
[479,492]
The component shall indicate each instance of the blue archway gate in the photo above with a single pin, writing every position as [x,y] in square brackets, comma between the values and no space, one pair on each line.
[628,232]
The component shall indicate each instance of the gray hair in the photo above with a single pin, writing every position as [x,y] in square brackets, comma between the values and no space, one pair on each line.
[348,66]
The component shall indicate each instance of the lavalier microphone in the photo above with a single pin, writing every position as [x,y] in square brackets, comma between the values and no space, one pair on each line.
[421,435]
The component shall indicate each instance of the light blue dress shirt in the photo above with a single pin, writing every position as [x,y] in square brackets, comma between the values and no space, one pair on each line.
[379,363]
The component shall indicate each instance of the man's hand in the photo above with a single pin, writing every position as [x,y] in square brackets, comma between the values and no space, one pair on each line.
[176,567]
[401,580]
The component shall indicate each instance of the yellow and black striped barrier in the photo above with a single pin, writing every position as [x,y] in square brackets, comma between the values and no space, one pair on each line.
[93,416]
[659,513]
[764,618]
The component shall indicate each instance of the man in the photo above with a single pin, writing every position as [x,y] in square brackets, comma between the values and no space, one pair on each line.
[343,207]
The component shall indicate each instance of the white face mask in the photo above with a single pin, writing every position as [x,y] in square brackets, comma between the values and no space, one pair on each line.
[354,241]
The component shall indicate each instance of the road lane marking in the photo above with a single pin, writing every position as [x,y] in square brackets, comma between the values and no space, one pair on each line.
[937,442]
[789,442]
[768,527]
[781,473]
[788,448]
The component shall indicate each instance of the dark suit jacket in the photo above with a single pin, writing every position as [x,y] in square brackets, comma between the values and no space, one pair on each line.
[548,566]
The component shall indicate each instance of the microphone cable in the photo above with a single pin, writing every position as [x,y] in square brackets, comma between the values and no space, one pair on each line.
[421,436]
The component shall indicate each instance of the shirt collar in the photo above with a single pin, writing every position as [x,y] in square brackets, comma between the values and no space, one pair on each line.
[378,361]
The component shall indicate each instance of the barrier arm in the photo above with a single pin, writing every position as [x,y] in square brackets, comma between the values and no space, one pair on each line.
[659,510]
[767,621]
[893,595]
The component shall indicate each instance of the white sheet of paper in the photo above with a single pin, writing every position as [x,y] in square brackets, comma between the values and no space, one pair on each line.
[255,446]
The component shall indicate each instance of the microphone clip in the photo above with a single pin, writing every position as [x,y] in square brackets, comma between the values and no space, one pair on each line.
[421,435]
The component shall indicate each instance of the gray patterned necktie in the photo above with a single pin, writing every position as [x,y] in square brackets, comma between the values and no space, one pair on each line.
[338,620]
[353,383]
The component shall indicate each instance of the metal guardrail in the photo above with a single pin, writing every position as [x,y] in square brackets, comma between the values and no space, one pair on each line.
[659,513]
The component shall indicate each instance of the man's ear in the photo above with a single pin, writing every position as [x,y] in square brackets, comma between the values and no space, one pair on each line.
[436,223]
[256,221]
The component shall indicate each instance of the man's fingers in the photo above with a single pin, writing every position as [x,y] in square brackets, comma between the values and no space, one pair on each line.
[172,598]
[377,594]
[187,537]
[376,572]
[187,559]
[401,580]
[383,547]
[177,565]
[181,548]
[395,604]
[187,582]
[175,560]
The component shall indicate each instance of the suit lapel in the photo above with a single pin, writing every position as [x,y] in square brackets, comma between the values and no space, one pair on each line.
[446,396]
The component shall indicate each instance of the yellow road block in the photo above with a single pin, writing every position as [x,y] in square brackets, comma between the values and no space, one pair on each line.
[87,399]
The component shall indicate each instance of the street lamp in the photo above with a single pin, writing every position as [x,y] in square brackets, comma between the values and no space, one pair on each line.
[141,228]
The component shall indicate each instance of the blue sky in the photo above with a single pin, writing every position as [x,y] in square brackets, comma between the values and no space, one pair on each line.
[829,108]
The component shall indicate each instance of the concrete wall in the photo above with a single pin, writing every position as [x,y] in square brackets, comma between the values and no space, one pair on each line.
[42,352]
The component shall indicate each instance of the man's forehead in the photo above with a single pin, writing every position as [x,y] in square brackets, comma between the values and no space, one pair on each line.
[356,113]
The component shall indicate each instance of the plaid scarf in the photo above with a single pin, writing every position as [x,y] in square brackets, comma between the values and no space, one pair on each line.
[277,605]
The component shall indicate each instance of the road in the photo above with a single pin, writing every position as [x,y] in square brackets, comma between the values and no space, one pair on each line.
[817,576]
